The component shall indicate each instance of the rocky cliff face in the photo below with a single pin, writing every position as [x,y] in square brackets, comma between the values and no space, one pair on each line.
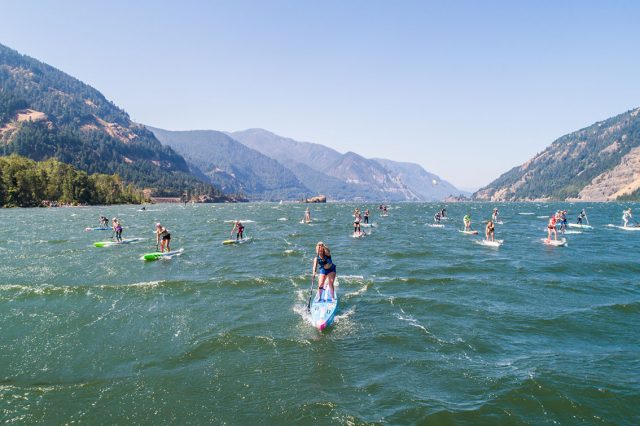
[598,163]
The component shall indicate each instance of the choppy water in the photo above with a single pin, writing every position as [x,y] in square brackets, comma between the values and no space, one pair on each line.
[432,328]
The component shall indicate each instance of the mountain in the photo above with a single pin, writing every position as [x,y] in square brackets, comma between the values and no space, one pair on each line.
[232,166]
[597,163]
[45,113]
[346,176]
[428,186]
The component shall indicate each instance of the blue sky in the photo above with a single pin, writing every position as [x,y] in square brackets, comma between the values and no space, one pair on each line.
[466,89]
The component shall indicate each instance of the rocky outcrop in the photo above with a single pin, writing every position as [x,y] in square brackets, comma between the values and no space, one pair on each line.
[316,199]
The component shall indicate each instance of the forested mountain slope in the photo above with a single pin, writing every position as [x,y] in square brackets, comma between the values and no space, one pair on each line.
[234,167]
[45,113]
[598,163]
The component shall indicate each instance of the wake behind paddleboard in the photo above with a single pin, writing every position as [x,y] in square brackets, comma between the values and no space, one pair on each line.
[555,243]
[435,225]
[577,225]
[240,241]
[468,232]
[359,234]
[627,228]
[496,243]
[324,308]
[166,255]
[116,243]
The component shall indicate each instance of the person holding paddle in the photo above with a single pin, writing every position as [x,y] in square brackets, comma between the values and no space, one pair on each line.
[326,269]
[163,237]
[467,222]
[490,231]
[117,229]
[240,227]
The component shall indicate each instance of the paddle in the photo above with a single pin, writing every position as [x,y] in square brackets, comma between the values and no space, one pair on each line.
[310,293]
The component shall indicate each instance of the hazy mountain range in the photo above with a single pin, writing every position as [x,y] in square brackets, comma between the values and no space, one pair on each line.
[598,163]
[267,166]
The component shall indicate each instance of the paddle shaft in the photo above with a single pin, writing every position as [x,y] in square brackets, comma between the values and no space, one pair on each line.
[311,292]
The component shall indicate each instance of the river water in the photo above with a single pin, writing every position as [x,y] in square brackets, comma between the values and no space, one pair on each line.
[432,327]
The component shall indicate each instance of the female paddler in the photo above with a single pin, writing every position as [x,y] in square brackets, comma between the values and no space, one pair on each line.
[325,267]
[163,237]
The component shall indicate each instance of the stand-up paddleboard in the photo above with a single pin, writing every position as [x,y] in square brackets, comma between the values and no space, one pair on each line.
[495,243]
[367,225]
[166,255]
[323,309]
[116,243]
[577,225]
[555,243]
[435,225]
[240,241]
[625,228]
[570,232]
[499,222]
[360,234]
[100,228]
[304,222]
[468,232]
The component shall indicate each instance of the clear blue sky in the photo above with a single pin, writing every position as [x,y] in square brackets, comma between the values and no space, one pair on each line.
[466,89]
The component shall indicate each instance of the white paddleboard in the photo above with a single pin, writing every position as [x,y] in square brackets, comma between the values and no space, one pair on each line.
[577,225]
[468,232]
[555,243]
[435,225]
[496,243]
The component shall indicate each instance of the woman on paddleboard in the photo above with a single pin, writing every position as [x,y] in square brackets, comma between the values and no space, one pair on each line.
[490,230]
[467,222]
[117,229]
[551,228]
[240,227]
[366,216]
[163,237]
[307,215]
[626,216]
[325,267]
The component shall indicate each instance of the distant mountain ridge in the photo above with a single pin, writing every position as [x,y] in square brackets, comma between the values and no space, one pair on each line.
[267,166]
[232,166]
[45,113]
[346,176]
[598,163]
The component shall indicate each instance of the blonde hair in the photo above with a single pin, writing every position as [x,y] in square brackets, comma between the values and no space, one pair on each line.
[325,248]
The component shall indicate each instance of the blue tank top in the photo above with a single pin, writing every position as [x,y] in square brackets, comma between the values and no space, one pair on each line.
[326,266]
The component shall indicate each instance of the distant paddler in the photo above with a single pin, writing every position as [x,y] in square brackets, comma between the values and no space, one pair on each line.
[582,216]
[551,228]
[626,217]
[490,231]
[240,230]
[467,222]
[163,238]
[366,216]
[494,215]
[356,225]
[117,229]
[326,269]
[437,217]
[307,215]
[104,222]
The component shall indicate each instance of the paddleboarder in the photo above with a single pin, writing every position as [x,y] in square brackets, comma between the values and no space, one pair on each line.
[581,216]
[240,227]
[551,228]
[366,216]
[626,216]
[489,231]
[325,268]
[467,222]
[307,215]
[163,237]
[117,229]
[104,222]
